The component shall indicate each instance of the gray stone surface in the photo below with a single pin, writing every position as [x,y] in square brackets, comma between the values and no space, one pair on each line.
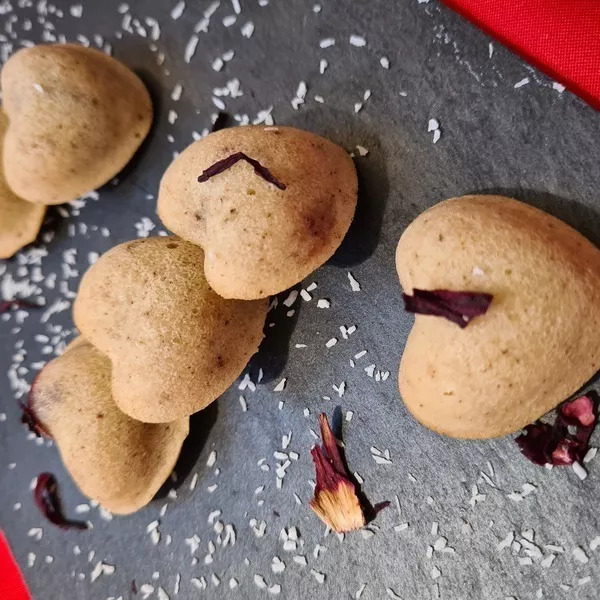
[532,142]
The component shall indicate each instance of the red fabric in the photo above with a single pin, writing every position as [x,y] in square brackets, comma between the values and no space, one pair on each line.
[12,584]
[560,37]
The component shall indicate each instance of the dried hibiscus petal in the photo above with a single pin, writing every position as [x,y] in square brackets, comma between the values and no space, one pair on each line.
[47,499]
[29,418]
[564,453]
[555,444]
[17,303]
[226,163]
[578,412]
[458,307]
[330,446]
[534,442]
[336,500]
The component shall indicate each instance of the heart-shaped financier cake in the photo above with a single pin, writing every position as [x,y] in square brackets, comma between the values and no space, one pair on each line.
[76,118]
[175,345]
[20,221]
[114,459]
[537,343]
[268,205]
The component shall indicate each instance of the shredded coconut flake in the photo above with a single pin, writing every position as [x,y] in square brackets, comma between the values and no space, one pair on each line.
[248,29]
[358,41]
[354,285]
[190,48]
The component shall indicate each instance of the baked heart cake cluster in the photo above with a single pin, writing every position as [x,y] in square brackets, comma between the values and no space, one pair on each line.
[507,297]
[167,323]
[157,345]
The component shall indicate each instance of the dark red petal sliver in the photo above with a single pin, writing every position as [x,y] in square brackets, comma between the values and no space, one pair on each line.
[229,161]
[47,500]
[458,307]
[327,477]
[17,303]
[331,448]
[29,418]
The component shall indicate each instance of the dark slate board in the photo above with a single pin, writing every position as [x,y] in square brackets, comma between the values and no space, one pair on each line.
[531,142]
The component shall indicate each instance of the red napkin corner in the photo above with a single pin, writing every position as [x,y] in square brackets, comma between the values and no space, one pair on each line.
[559,37]
[12,584]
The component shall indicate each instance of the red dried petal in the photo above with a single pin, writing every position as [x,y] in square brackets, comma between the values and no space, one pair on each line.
[30,418]
[579,411]
[326,476]
[459,307]
[47,500]
[534,443]
[332,451]
[17,303]
[555,444]
[229,161]
[564,453]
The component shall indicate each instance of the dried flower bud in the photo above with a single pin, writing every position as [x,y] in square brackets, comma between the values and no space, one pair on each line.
[336,500]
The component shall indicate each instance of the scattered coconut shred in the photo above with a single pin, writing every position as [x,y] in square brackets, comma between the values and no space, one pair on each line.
[220,550]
